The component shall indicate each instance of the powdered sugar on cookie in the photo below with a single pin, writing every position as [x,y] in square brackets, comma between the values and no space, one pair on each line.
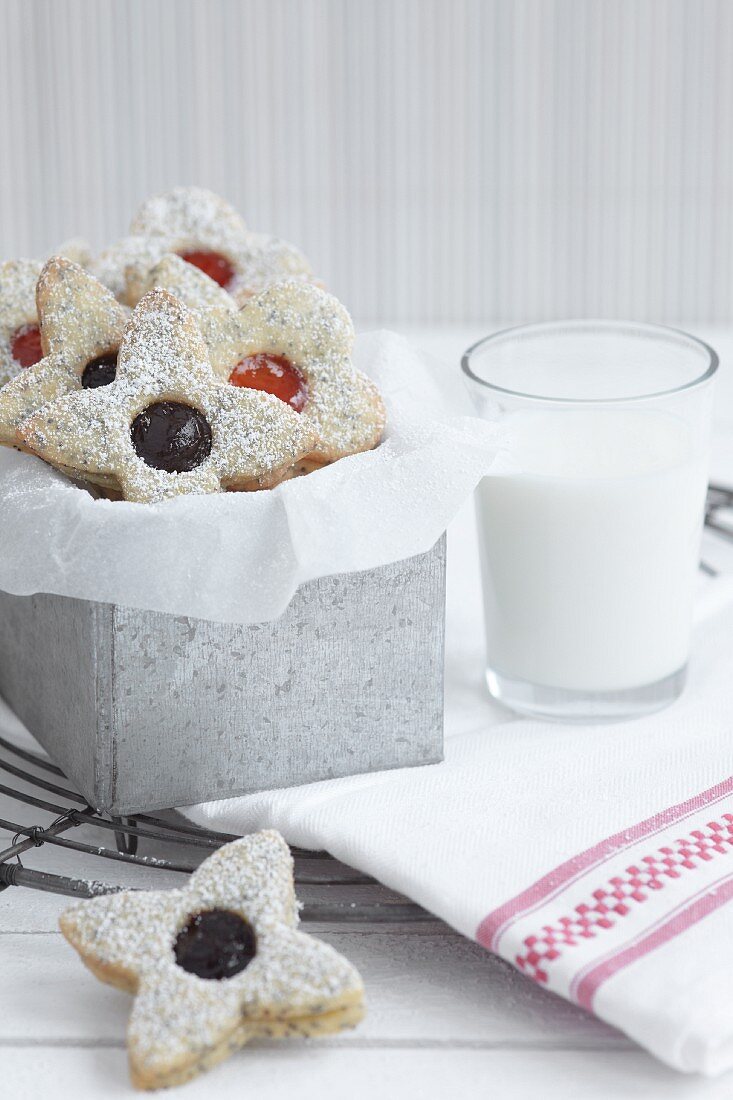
[209,233]
[81,326]
[235,922]
[18,280]
[166,425]
[295,326]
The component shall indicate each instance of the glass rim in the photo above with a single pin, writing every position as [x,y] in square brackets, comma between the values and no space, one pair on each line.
[650,328]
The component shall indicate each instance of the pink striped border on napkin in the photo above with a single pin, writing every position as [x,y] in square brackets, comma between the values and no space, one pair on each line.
[607,907]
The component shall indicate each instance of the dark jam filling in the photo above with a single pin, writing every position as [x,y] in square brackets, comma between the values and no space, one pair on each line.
[99,372]
[274,374]
[171,436]
[25,345]
[215,944]
[213,264]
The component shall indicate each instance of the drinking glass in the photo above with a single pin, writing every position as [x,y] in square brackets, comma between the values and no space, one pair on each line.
[590,524]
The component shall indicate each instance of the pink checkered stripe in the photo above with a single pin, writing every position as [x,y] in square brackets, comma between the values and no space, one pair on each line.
[622,894]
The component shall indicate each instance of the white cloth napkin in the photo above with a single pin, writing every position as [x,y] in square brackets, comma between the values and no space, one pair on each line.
[599,860]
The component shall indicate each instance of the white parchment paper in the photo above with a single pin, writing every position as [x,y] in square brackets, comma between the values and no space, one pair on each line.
[239,557]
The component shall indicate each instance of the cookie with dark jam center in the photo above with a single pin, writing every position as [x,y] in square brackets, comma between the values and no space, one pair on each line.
[171,436]
[99,372]
[215,944]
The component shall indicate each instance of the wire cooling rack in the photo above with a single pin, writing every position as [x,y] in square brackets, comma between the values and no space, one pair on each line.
[34,782]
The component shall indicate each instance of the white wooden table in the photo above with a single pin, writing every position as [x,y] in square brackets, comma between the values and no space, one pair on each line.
[444,1017]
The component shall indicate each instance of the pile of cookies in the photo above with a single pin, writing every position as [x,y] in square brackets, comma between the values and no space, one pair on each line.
[193,356]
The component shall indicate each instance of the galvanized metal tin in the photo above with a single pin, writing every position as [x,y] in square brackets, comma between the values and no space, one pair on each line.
[144,710]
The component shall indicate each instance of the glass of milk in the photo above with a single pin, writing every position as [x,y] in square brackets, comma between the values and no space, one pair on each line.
[590,527]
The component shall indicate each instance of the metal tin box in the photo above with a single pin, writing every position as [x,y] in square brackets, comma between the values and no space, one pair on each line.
[144,710]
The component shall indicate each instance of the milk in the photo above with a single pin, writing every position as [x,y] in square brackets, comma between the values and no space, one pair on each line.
[589,547]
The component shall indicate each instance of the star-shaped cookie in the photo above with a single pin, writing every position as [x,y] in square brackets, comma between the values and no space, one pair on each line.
[167,426]
[20,338]
[294,340]
[205,298]
[81,326]
[209,234]
[216,963]
[20,341]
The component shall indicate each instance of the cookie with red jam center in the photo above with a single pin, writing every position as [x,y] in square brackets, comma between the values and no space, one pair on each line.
[20,338]
[78,333]
[274,374]
[292,340]
[25,345]
[207,233]
[21,342]
[213,264]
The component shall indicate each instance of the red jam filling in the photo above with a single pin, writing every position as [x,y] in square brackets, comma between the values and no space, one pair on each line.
[25,346]
[213,264]
[273,374]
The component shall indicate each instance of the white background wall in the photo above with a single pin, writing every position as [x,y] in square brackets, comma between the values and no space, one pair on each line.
[439,160]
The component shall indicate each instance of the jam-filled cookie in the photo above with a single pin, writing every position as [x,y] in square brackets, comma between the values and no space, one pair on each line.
[197,291]
[78,331]
[207,233]
[20,337]
[215,964]
[187,212]
[76,249]
[295,340]
[292,340]
[166,425]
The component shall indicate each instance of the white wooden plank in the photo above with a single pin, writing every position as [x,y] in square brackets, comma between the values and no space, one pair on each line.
[316,1071]
[432,989]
